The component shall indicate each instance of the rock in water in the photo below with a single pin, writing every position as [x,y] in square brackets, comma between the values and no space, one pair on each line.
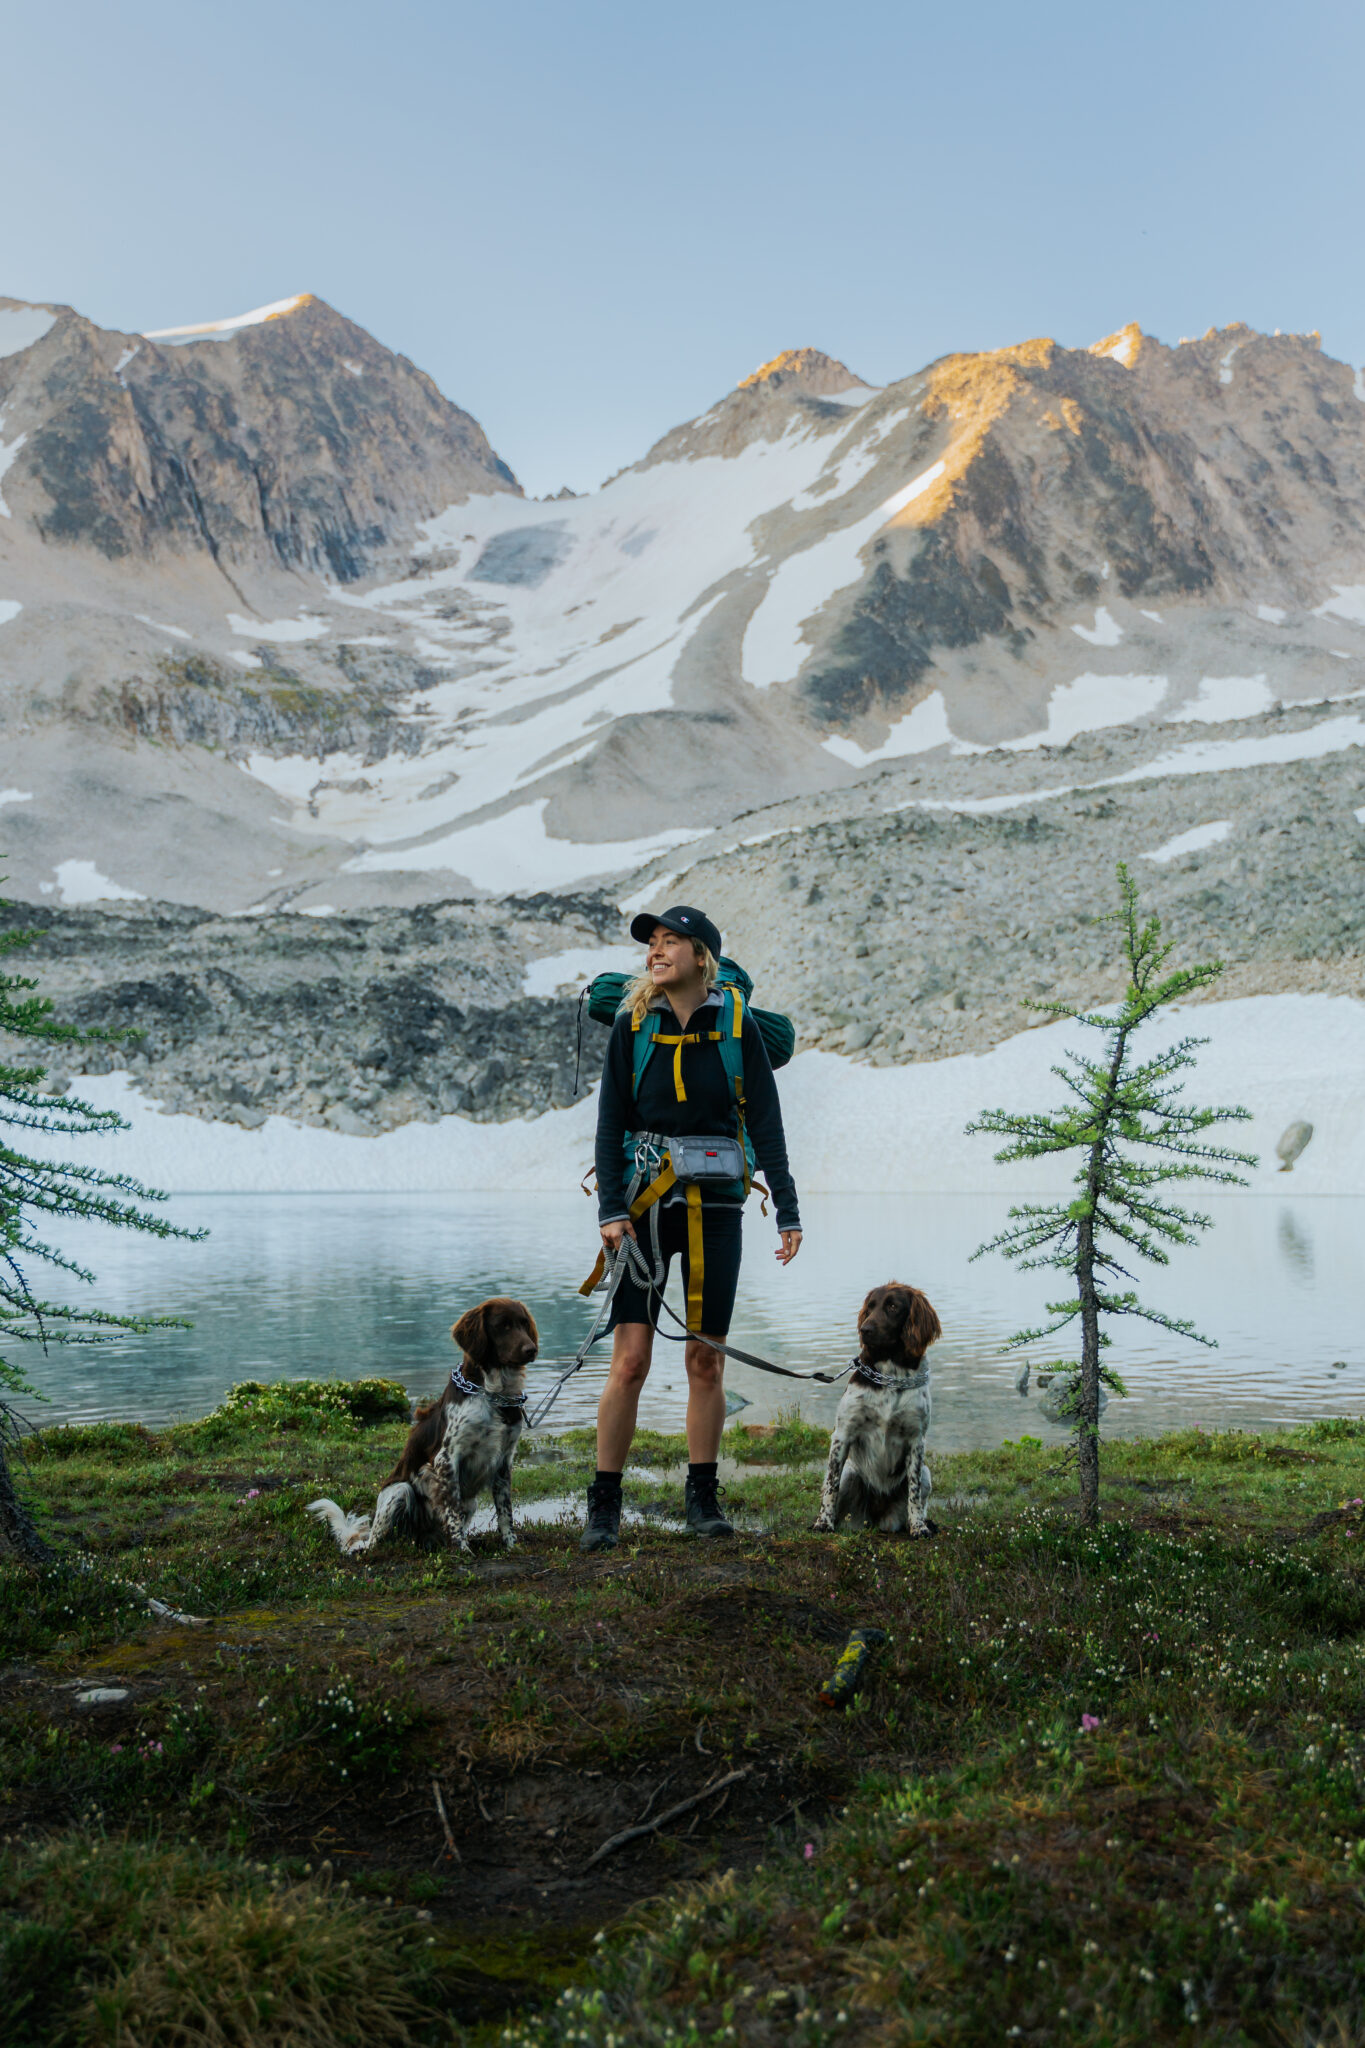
[1054,1402]
[1294,1141]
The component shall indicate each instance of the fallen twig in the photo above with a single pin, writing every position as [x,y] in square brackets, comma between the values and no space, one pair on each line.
[652,1826]
[445,1820]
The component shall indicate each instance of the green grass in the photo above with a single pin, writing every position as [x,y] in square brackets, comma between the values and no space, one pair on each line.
[1101,1787]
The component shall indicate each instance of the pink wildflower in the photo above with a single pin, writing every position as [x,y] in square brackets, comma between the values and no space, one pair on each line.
[810,1852]
[1089,1721]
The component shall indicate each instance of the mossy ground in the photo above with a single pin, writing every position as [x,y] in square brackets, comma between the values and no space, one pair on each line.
[1101,1787]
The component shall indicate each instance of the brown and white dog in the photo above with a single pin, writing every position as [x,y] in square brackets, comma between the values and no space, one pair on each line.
[458,1445]
[877,1477]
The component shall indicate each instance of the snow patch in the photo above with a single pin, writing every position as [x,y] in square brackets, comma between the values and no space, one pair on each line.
[1225,697]
[834,484]
[16,796]
[305,627]
[1225,366]
[1106,631]
[1348,603]
[1090,703]
[1211,757]
[1199,757]
[1272,614]
[1359,815]
[852,1129]
[8,451]
[224,330]
[1121,350]
[803,584]
[177,632]
[246,660]
[1153,615]
[10,608]
[578,964]
[1359,385]
[21,326]
[1192,841]
[80,881]
[514,852]
[920,730]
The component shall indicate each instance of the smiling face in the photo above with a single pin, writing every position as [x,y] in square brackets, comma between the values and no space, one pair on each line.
[674,962]
[896,1322]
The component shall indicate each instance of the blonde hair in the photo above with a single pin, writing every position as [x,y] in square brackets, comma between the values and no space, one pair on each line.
[641,994]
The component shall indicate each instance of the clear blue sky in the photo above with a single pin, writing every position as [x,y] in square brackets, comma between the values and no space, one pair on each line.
[587,221]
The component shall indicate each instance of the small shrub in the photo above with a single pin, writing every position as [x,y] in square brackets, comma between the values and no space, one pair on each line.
[109,1443]
[1334,1429]
[286,1402]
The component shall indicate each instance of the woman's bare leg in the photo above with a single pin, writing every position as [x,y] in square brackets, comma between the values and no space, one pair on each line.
[705,1400]
[631,1346]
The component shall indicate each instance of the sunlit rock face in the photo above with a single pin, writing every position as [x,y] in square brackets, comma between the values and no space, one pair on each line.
[292,439]
[279,631]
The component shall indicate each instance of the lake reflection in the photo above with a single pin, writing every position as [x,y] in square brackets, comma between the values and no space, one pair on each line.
[298,1286]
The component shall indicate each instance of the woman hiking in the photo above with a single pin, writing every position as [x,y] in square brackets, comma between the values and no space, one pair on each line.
[684,1205]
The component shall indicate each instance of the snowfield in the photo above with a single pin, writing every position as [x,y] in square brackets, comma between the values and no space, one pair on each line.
[852,1129]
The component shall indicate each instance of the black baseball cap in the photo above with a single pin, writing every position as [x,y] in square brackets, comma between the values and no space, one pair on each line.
[682,919]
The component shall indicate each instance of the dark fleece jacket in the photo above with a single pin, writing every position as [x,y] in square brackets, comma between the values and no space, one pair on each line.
[708,1112]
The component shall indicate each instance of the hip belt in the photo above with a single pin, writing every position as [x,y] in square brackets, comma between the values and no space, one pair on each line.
[660,1165]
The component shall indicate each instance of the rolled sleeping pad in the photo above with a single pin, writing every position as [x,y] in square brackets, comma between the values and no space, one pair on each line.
[855,1662]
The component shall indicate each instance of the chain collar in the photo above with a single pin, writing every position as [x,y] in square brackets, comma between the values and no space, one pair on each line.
[873,1377]
[464,1385]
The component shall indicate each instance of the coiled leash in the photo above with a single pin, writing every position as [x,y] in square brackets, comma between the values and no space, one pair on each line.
[629,1257]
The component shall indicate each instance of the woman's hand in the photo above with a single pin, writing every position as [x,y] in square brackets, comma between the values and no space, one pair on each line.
[612,1233]
[787,1250]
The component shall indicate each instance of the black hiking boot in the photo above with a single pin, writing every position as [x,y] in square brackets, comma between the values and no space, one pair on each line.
[704,1517]
[603,1527]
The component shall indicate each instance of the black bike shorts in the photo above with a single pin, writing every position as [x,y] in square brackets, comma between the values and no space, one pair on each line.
[721,1228]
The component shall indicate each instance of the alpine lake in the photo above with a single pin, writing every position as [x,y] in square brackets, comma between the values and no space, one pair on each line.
[326,1285]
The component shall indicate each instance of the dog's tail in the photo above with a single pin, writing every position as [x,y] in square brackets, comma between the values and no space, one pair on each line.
[398,1503]
[352,1532]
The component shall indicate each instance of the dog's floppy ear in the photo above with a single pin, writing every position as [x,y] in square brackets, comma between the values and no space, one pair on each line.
[922,1325]
[471,1334]
[867,1303]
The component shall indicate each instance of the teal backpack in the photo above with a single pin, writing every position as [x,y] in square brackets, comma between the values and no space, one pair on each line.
[606,993]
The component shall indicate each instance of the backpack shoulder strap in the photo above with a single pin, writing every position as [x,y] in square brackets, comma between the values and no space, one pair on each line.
[731,1037]
[644,1030]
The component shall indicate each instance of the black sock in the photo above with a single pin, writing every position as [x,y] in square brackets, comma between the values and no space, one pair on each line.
[608,1482]
[696,1472]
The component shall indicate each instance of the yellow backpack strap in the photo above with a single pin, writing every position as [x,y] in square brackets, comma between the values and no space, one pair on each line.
[696,1260]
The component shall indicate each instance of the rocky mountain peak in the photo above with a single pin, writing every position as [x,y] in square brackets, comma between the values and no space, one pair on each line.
[282,439]
[807,370]
[1124,346]
[801,382]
